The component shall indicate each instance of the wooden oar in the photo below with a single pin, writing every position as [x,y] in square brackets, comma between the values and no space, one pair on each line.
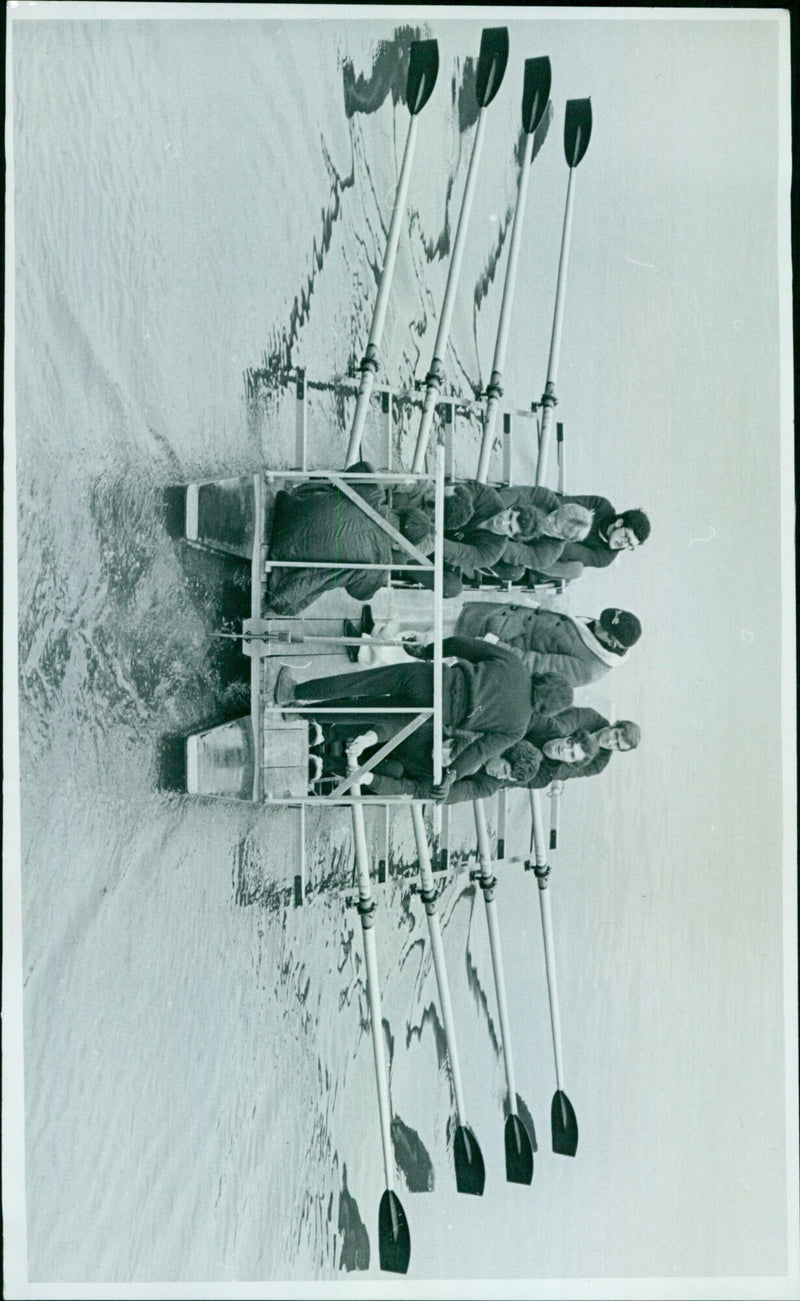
[394,1239]
[563,1122]
[577,131]
[518,1145]
[467,1155]
[423,67]
[492,61]
[537,114]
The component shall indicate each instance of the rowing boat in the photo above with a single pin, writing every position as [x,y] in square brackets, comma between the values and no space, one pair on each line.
[264,755]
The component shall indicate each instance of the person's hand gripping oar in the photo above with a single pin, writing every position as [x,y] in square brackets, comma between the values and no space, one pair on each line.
[492,61]
[537,113]
[423,67]
[577,131]
[563,1122]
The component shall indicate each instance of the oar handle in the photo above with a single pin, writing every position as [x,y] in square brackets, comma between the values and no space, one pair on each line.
[428,895]
[366,909]
[369,364]
[501,343]
[548,397]
[488,883]
[443,333]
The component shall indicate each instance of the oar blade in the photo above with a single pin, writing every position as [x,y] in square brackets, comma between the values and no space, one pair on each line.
[519,1152]
[564,1125]
[492,61]
[394,1239]
[468,1159]
[535,92]
[423,69]
[577,129]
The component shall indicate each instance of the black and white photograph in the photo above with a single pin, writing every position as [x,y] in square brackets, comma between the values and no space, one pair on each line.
[399,880]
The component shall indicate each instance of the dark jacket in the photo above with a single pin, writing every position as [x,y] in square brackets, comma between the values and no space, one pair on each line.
[564,724]
[500,699]
[317,522]
[477,787]
[408,771]
[538,554]
[470,547]
[492,692]
[594,550]
[545,640]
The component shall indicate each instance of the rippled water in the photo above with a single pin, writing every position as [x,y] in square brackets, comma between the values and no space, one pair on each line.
[199,207]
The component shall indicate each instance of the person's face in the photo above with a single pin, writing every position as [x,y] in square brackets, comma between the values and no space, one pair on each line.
[622,538]
[498,767]
[564,750]
[506,523]
[607,638]
[613,738]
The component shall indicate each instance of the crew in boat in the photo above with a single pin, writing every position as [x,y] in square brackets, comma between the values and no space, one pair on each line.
[486,691]
[558,746]
[317,522]
[346,741]
[477,529]
[555,750]
[612,531]
[557,528]
[399,774]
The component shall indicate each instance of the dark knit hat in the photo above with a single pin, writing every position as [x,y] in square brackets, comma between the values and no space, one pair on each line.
[457,507]
[622,625]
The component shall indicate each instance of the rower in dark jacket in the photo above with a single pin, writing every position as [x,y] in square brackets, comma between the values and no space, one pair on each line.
[612,531]
[487,691]
[408,769]
[562,735]
[406,773]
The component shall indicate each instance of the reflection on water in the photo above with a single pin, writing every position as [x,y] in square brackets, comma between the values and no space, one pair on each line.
[388,74]
[355,1239]
[412,1157]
